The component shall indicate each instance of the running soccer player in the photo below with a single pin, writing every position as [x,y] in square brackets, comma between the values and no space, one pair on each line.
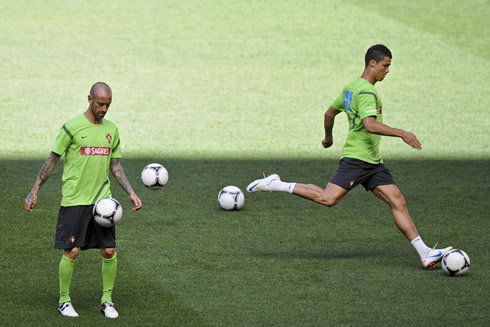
[91,147]
[361,162]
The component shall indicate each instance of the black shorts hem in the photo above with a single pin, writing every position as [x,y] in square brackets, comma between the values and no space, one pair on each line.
[83,248]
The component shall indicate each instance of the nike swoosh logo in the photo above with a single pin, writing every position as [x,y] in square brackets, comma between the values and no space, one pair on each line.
[436,255]
[84,136]
[253,187]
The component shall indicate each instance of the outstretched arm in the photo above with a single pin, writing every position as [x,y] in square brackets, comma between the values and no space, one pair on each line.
[120,176]
[328,122]
[42,177]
[372,126]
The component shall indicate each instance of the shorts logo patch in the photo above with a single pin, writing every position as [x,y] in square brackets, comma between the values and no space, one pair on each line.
[72,239]
[351,183]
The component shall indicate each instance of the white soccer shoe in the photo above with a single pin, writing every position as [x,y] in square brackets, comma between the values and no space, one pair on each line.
[67,310]
[108,310]
[434,256]
[262,185]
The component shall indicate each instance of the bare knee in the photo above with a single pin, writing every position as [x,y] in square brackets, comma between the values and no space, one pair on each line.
[108,253]
[328,200]
[392,196]
[329,196]
[399,202]
[72,253]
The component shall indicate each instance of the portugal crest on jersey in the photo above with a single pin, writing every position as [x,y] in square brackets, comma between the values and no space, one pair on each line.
[108,137]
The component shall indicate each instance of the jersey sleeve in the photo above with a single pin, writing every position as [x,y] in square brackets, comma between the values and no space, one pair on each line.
[366,104]
[63,141]
[116,146]
[339,102]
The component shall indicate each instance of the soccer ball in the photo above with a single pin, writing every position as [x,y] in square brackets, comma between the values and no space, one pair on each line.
[456,263]
[154,176]
[107,212]
[231,198]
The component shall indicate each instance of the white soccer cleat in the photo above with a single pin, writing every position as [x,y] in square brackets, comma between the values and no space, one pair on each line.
[434,256]
[67,310]
[107,308]
[262,185]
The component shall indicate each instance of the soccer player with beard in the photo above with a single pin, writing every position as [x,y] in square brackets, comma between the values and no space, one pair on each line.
[91,147]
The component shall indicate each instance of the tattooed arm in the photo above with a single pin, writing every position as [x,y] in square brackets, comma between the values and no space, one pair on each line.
[42,177]
[120,176]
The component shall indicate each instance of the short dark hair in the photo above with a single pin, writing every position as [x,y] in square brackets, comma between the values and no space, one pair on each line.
[376,52]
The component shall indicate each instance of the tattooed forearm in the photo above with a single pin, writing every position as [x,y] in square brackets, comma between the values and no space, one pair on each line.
[47,168]
[42,177]
[120,176]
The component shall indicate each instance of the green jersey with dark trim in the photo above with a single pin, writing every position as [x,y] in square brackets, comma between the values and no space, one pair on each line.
[359,100]
[88,150]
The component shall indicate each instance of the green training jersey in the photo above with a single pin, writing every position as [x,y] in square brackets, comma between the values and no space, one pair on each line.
[88,149]
[359,100]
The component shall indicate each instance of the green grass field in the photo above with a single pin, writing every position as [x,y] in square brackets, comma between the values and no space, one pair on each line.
[219,92]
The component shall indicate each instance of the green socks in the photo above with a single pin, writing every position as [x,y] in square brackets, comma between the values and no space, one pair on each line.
[109,268]
[65,272]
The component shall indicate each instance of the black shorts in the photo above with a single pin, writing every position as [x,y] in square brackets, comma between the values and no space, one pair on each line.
[77,228]
[353,172]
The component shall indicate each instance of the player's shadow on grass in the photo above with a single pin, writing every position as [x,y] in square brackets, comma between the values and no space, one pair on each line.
[181,227]
[435,190]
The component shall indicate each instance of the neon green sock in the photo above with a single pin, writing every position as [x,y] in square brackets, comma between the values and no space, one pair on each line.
[65,272]
[109,268]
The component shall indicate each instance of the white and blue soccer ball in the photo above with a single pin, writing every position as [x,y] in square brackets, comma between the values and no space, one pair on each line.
[231,198]
[456,263]
[154,176]
[107,212]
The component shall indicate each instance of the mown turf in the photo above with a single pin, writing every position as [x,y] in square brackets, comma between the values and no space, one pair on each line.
[219,92]
[280,261]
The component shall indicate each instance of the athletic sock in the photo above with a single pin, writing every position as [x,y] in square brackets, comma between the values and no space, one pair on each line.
[420,246]
[65,272]
[109,268]
[280,186]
